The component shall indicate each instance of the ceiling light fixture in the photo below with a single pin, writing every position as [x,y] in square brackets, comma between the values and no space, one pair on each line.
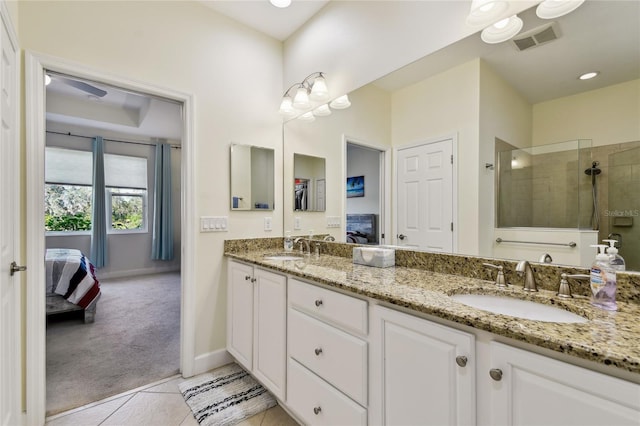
[550,9]
[483,12]
[280,3]
[313,88]
[502,30]
[589,75]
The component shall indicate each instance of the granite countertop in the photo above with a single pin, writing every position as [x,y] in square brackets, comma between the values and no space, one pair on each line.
[609,338]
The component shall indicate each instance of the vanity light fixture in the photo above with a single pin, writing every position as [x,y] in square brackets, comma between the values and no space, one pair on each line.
[550,9]
[484,12]
[307,116]
[341,102]
[313,88]
[502,30]
[322,110]
[589,75]
[280,3]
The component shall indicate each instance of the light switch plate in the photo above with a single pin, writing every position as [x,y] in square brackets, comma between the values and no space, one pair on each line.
[267,224]
[333,221]
[214,224]
[296,224]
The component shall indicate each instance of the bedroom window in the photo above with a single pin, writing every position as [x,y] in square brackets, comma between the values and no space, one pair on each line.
[68,191]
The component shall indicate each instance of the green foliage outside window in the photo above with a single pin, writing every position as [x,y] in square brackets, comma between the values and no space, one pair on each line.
[126,211]
[67,207]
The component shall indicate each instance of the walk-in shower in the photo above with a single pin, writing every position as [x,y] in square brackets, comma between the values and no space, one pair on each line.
[594,171]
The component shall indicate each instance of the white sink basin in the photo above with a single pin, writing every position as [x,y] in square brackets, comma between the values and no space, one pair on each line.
[518,308]
[283,257]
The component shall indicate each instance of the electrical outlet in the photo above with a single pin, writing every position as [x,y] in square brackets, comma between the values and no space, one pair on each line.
[267,224]
[296,224]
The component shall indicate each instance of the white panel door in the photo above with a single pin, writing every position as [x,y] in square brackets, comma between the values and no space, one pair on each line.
[425,196]
[10,363]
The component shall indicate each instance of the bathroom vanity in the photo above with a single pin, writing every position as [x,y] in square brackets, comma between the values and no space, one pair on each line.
[339,343]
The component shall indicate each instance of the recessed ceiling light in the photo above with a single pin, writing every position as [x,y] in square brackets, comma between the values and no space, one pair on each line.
[588,75]
[280,3]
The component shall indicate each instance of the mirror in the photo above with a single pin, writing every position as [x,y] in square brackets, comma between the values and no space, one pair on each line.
[484,92]
[252,178]
[309,183]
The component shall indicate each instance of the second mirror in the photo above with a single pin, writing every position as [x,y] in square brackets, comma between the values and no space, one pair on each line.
[309,186]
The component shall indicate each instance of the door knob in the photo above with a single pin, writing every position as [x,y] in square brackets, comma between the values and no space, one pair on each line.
[15,268]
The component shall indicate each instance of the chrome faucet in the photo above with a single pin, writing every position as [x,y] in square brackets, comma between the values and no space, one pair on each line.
[524,268]
[545,258]
[329,238]
[305,241]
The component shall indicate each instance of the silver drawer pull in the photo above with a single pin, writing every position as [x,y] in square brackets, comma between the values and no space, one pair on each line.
[318,302]
[318,351]
[461,360]
[316,410]
[496,374]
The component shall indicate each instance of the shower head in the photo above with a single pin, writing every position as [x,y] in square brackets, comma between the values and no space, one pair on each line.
[593,170]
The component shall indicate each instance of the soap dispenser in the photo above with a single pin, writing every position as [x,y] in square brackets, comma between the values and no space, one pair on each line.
[616,261]
[603,281]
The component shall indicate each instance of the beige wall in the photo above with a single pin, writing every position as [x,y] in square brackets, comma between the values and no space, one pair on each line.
[608,115]
[444,105]
[235,75]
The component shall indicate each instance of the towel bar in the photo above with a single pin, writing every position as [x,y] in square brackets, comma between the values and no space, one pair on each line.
[570,244]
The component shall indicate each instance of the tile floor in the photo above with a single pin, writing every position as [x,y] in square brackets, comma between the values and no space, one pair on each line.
[157,404]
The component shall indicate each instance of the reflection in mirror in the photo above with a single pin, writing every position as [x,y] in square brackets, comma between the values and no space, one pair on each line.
[252,178]
[309,184]
[527,98]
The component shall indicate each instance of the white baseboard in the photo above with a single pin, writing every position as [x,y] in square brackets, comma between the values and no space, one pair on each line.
[211,360]
[135,272]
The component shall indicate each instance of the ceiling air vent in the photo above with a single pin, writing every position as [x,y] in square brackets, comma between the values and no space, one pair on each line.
[537,36]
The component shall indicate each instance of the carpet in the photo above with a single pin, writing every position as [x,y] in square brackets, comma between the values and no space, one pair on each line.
[134,341]
[226,396]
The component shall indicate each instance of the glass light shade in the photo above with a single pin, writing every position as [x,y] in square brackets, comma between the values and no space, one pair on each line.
[286,107]
[47,80]
[483,12]
[589,75]
[280,3]
[301,100]
[319,90]
[322,110]
[550,9]
[502,30]
[340,102]
[307,116]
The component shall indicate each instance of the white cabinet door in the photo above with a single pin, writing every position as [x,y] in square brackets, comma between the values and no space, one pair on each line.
[270,328]
[415,378]
[240,313]
[536,390]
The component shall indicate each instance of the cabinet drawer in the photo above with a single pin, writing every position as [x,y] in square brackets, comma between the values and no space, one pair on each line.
[342,310]
[336,356]
[318,403]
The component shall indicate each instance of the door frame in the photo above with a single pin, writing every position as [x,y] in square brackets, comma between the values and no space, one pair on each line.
[385,186]
[35,120]
[454,181]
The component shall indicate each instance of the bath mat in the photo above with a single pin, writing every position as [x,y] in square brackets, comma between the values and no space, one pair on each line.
[226,396]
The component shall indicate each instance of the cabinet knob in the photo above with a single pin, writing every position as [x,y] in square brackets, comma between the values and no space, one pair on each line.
[247,277]
[316,410]
[496,374]
[318,302]
[253,280]
[318,351]
[461,360]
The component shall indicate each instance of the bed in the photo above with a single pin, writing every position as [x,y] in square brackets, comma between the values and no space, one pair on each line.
[71,283]
[362,229]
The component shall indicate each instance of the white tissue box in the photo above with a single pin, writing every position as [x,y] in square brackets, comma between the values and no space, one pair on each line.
[374,256]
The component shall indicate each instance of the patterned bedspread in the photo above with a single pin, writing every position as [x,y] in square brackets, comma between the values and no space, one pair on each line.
[71,275]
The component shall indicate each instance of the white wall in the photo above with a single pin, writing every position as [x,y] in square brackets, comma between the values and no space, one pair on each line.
[185,47]
[364,162]
[443,105]
[606,116]
[357,42]
[368,120]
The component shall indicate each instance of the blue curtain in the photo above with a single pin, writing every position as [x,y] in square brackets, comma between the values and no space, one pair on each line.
[162,242]
[99,220]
